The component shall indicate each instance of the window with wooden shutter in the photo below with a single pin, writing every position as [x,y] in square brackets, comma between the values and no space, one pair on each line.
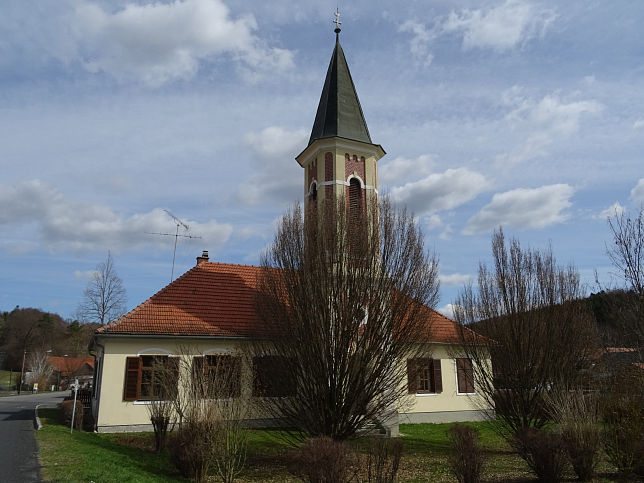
[150,377]
[437,378]
[465,375]
[217,376]
[271,377]
[411,376]
[132,385]
[424,376]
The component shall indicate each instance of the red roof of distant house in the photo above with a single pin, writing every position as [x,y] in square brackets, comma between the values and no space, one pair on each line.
[69,365]
[218,299]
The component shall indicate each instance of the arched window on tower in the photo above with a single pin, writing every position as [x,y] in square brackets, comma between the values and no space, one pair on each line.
[355,201]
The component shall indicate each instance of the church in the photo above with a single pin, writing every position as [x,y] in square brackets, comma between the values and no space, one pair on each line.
[211,308]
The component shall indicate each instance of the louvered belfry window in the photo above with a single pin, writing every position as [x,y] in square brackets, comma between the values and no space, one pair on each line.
[355,200]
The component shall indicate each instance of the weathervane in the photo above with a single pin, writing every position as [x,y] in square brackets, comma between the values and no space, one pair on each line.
[336,21]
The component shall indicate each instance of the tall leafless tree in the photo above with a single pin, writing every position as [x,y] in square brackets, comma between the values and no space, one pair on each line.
[104,297]
[626,252]
[345,294]
[40,368]
[539,334]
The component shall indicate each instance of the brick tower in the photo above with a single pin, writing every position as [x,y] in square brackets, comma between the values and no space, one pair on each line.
[340,158]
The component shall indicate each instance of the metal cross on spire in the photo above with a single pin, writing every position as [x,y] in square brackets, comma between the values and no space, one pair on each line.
[336,21]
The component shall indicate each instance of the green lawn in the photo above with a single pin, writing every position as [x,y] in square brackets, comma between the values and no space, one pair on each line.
[88,457]
[7,378]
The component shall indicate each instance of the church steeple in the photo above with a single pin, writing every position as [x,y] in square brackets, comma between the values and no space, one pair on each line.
[339,111]
[340,159]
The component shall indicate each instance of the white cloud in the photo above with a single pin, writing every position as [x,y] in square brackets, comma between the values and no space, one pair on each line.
[454,278]
[541,124]
[85,274]
[523,208]
[614,209]
[63,224]
[277,176]
[440,191]
[277,142]
[161,42]
[447,310]
[639,124]
[500,28]
[400,169]
[419,43]
[637,193]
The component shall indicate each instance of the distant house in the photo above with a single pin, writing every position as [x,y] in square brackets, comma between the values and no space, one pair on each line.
[66,369]
[211,308]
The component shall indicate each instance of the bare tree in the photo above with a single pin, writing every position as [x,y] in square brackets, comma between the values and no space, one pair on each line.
[40,368]
[345,294]
[104,297]
[626,252]
[539,333]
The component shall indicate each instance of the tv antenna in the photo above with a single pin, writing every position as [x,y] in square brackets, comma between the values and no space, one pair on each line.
[176,236]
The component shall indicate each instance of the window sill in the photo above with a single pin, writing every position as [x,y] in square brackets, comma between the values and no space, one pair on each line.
[145,402]
[466,393]
[423,394]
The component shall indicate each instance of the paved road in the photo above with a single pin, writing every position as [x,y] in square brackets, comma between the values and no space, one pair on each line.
[18,449]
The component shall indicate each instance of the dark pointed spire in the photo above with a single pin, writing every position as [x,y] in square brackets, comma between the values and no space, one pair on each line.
[339,112]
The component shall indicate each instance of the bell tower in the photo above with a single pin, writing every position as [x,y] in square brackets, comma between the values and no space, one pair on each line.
[340,158]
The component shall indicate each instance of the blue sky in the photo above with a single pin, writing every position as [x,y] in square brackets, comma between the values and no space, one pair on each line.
[525,114]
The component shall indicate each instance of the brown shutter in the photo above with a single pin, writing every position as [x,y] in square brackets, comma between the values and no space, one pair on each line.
[259,376]
[198,380]
[411,375]
[173,372]
[235,376]
[469,371]
[437,379]
[132,385]
[465,375]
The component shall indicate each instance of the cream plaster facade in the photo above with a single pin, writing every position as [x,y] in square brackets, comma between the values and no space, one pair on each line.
[113,414]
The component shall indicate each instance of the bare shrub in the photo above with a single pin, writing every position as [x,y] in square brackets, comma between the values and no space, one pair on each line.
[539,333]
[161,408]
[383,459]
[623,415]
[68,409]
[345,297]
[578,417]
[190,448]
[323,460]
[466,456]
[210,407]
[544,451]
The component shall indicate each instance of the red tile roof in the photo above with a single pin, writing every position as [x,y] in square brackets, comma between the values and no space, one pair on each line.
[69,365]
[218,299]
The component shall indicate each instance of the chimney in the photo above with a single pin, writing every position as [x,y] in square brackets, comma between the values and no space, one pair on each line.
[203,258]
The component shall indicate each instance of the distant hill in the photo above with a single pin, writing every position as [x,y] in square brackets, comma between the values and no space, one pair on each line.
[34,330]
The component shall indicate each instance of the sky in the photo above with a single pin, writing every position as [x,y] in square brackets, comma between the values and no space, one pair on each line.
[523,114]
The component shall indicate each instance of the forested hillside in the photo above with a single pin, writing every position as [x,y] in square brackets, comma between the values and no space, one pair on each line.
[38,332]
